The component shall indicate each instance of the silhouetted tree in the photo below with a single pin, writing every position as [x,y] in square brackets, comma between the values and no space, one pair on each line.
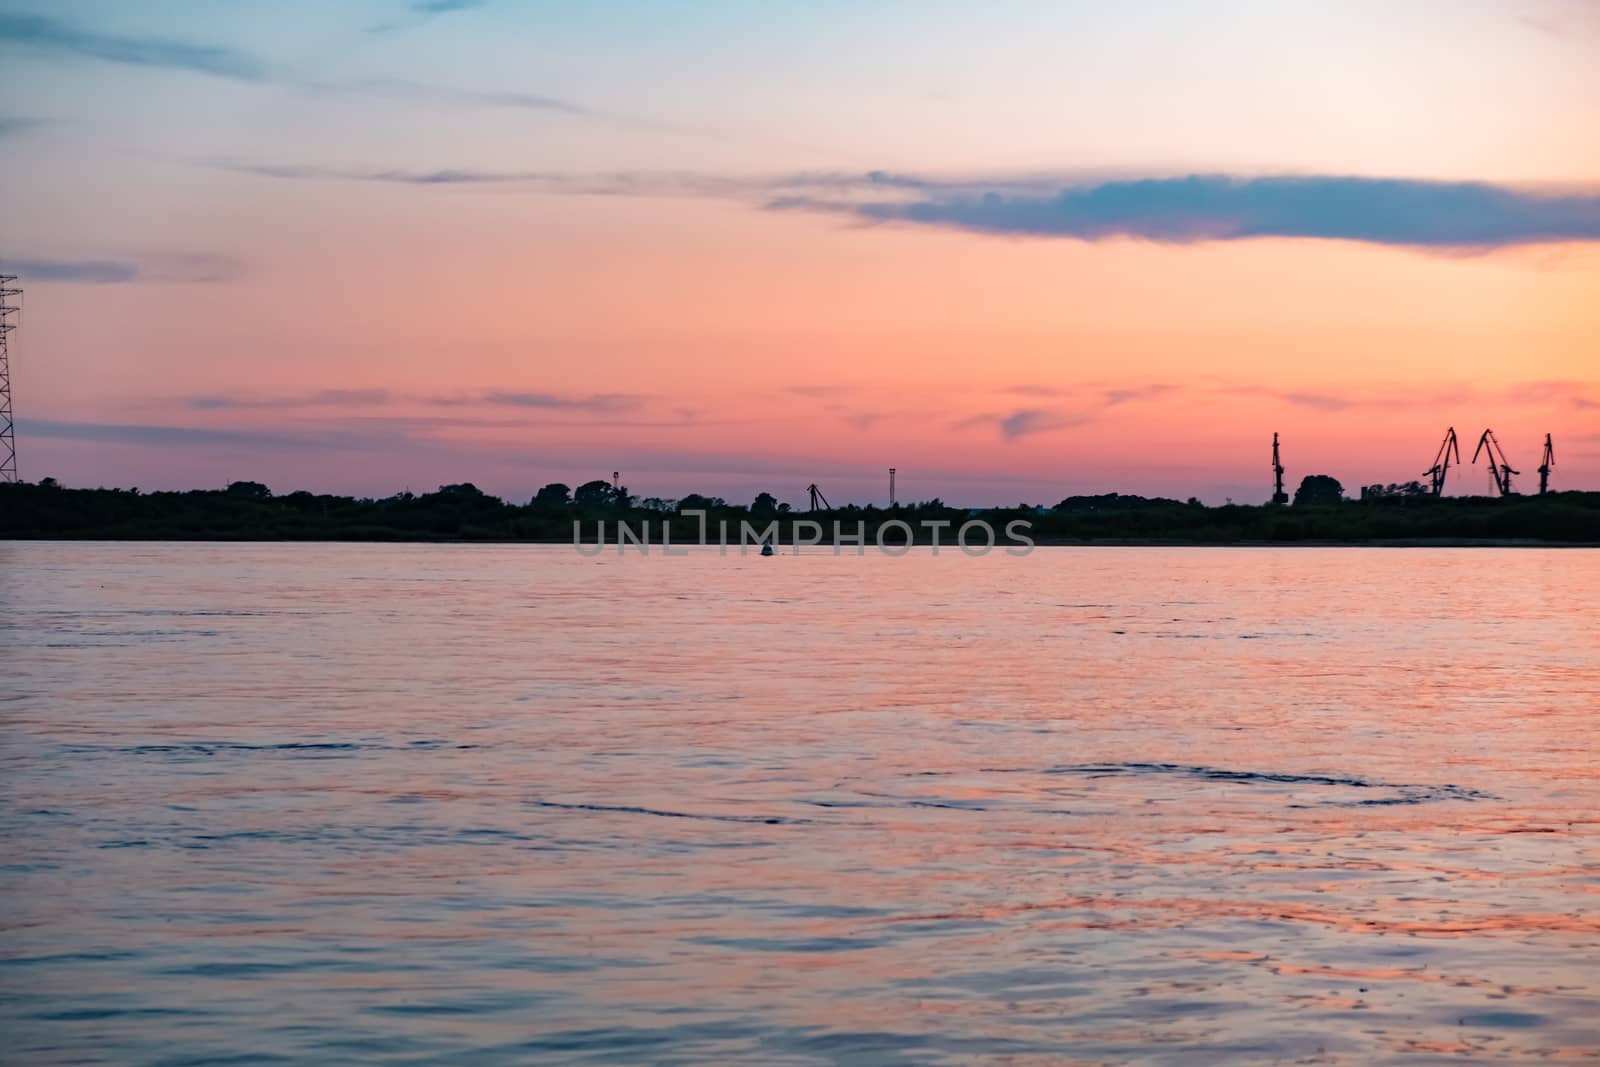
[696,502]
[251,490]
[1115,502]
[595,494]
[1318,490]
[764,504]
[1394,489]
[462,489]
[554,495]
[462,513]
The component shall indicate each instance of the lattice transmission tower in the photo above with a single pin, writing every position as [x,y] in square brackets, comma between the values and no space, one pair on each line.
[9,306]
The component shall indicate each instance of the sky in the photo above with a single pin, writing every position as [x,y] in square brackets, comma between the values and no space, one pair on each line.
[1017,251]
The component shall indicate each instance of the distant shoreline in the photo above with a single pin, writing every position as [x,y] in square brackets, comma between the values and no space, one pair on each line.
[1391,542]
[249,512]
[846,548]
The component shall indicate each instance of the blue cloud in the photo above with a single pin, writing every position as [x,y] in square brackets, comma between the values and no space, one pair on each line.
[1026,421]
[372,398]
[179,268]
[1021,423]
[443,7]
[421,11]
[419,92]
[555,402]
[138,434]
[554,183]
[48,36]
[43,34]
[320,398]
[1113,397]
[1208,207]
[1429,214]
[85,271]
[15,124]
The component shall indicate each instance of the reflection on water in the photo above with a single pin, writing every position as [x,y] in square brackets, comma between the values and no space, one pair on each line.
[426,804]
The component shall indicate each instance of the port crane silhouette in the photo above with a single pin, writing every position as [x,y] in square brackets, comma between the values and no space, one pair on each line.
[1441,462]
[816,495]
[1544,468]
[1499,467]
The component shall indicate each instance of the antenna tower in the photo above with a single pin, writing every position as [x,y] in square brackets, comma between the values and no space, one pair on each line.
[8,431]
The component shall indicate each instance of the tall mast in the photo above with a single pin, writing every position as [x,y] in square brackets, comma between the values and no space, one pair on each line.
[8,430]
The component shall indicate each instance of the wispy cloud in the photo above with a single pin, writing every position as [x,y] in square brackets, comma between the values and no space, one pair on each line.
[42,35]
[1580,395]
[422,93]
[834,401]
[39,33]
[853,418]
[1108,395]
[1028,421]
[552,183]
[443,176]
[1454,216]
[377,398]
[1127,395]
[84,271]
[1397,397]
[1025,422]
[343,398]
[176,268]
[1217,207]
[177,436]
[189,268]
[1413,395]
[419,11]
[11,125]
[1318,401]
[819,392]
[1081,402]
[597,402]
[432,437]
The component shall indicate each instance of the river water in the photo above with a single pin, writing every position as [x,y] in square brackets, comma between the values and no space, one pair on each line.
[505,805]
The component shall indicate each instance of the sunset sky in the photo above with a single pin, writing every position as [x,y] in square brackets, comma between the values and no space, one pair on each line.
[1017,251]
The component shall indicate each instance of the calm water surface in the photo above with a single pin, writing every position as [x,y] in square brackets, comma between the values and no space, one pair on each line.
[506,805]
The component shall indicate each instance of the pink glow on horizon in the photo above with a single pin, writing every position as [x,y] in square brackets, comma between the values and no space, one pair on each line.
[364,336]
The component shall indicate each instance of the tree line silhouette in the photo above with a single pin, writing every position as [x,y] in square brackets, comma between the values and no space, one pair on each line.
[250,511]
